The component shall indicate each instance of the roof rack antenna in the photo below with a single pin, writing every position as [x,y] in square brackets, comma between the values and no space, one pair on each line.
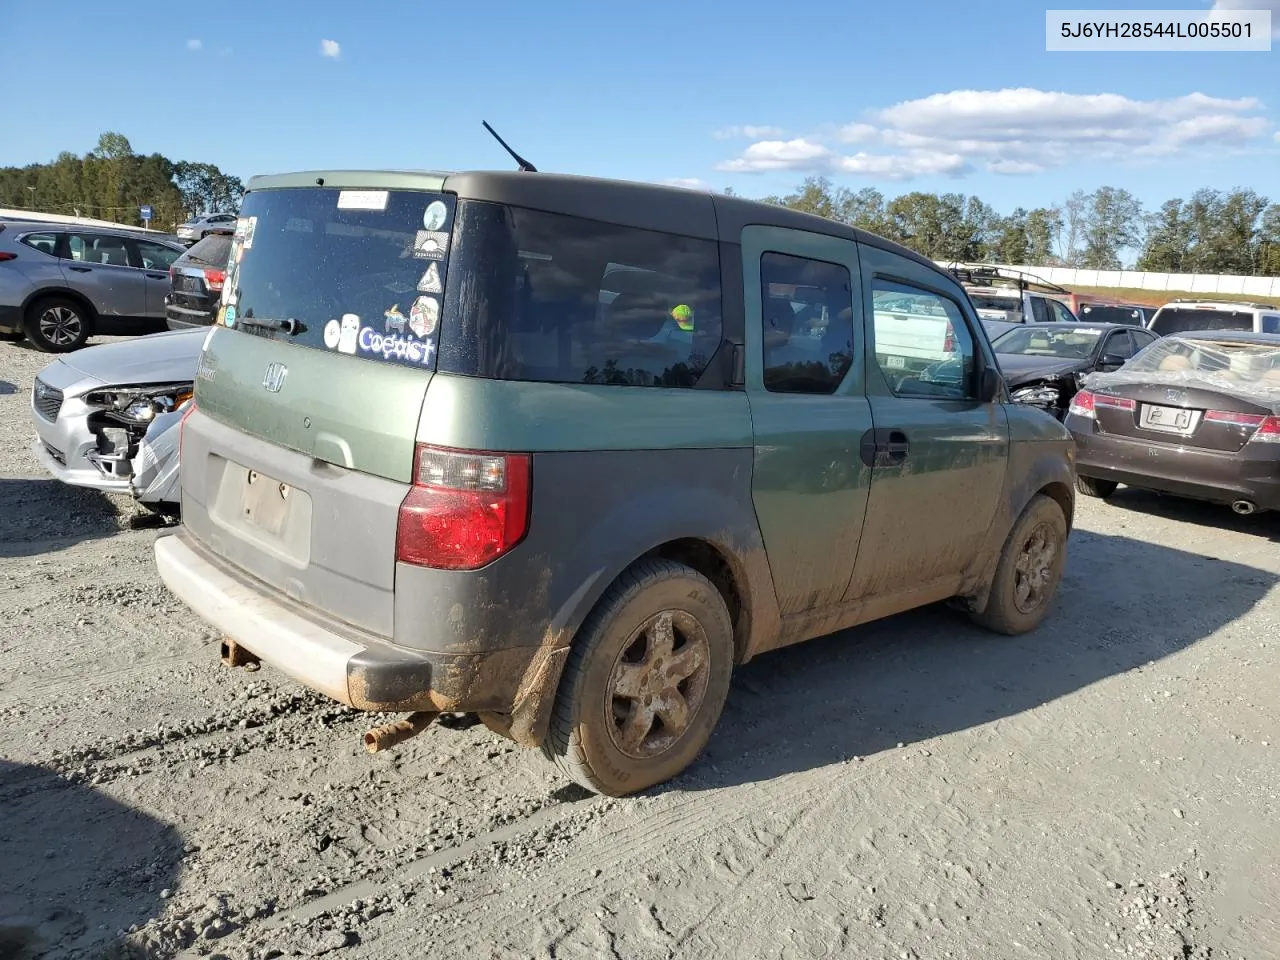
[524,164]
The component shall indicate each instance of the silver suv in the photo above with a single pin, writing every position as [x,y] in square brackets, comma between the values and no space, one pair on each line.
[62,283]
[1181,316]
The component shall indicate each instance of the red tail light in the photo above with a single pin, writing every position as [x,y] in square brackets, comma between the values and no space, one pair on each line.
[1266,429]
[1085,403]
[214,279]
[6,255]
[1082,405]
[465,508]
[949,344]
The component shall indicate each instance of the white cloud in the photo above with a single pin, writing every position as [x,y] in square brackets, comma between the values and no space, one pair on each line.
[1272,5]
[689,183]
[750,132]
[799,154]
[1013,131]
[331,49]
[194,44]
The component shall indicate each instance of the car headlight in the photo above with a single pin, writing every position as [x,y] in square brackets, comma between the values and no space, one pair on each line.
[141,404]
[1040,394]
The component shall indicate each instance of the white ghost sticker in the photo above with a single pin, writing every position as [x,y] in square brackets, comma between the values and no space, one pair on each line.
[332,333]
[348,334]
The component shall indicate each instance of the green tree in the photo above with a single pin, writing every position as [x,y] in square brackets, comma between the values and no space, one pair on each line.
[1043,227]
[1111,224]
[1167,241]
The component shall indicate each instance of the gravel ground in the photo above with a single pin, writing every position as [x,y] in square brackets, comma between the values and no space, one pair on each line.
[915,789]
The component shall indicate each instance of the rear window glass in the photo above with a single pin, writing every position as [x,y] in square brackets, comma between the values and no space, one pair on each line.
[553,298]
[356,272]
[213,249]
[1181,321]
[1101,313]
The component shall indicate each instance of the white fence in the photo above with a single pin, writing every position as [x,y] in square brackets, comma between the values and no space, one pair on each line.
[1180,283]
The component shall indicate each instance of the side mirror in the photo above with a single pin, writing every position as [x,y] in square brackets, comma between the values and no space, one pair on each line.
[1111,361]
[990,385]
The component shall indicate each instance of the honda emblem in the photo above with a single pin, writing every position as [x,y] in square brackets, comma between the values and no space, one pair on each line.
[273,378]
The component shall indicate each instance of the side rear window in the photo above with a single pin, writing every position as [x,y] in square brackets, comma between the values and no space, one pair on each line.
[807,310]
[213,249]
[1184,321]
[560,299]
[44,242]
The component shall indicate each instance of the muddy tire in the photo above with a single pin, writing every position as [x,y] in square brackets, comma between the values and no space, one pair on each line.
[1092,487]
[645,681]
[57,324]
[1029,570]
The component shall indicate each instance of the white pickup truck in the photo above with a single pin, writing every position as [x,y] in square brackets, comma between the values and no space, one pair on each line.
[908,340]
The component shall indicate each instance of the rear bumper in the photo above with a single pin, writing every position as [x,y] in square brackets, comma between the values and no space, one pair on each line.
[1252,475]
[354,668]
[182,318]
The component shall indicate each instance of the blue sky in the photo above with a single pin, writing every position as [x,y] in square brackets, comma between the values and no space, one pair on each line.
[902,96]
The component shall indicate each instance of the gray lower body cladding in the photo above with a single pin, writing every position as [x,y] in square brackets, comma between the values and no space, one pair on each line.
[492,639]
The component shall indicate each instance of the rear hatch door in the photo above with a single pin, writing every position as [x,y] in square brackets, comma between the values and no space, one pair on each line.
[310,390]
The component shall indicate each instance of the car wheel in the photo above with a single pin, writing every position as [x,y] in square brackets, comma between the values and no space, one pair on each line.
[1029,570]
[1092,487]
[645,681]
[57,325]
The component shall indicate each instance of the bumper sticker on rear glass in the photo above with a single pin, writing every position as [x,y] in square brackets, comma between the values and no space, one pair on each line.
[392,346]
[424,316]
[430,282]
[348,332]
[362,200]
[434,217]
[394,319]
[430,244]
[248,234]
[229,316]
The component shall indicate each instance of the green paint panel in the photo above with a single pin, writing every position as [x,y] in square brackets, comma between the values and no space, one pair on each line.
[361,414]
[809,485]
[473,413]
[353,180]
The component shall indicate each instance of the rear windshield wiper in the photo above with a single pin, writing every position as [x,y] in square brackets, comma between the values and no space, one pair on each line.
[290,326]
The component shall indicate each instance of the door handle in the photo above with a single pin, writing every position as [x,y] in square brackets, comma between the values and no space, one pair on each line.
[81,269]
[158,276]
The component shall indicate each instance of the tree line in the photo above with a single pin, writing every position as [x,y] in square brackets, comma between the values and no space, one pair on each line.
[111,182]
[1234,231]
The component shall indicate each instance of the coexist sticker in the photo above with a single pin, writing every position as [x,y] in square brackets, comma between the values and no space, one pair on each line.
[391,346]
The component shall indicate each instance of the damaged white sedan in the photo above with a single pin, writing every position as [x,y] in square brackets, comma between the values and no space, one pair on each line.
[106,417]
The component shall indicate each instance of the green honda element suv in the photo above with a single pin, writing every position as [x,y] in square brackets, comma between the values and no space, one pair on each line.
[561,452]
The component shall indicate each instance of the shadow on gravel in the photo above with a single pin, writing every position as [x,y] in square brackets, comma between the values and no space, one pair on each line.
[928,673]
[40,516]
[1146,503]
[76,867]
[7,388]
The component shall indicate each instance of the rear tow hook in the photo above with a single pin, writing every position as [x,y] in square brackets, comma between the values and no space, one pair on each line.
[234,655]
[389,734]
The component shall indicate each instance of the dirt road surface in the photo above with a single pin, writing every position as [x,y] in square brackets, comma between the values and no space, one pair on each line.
[1106,787]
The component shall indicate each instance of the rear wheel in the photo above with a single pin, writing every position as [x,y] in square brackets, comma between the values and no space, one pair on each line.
[57,324]
[1092,487]
[645,682]
[1029,570]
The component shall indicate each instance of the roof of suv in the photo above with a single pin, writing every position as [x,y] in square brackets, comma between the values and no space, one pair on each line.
[1232,305]
[678,210]
[37,226]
